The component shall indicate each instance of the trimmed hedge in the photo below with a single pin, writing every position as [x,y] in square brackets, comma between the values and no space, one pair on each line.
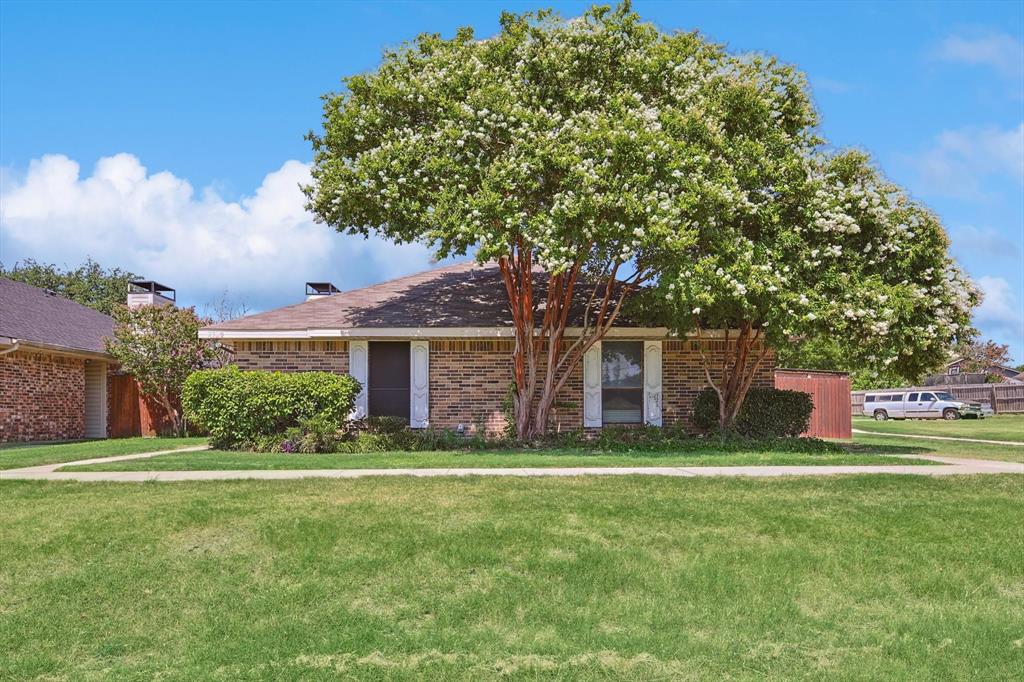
[241,409]
[766,413]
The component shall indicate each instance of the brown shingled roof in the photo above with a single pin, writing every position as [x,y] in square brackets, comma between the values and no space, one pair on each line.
[33,315]
[461,295]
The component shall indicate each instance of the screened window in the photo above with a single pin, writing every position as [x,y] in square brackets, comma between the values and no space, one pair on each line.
[622,382]
[388,370]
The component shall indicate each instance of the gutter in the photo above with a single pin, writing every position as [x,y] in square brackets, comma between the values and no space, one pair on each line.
[15,344]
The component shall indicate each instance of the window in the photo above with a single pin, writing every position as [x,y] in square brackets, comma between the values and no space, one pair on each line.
[912,397]
[622,382]
[388,379]
[927,397]
[954,369]
[869,399]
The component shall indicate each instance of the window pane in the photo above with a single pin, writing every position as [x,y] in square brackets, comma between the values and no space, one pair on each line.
[622,364]
[622,378]
[912,397]
[927,397]
[622,405]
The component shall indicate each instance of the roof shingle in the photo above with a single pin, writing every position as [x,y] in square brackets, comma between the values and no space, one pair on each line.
[31,314]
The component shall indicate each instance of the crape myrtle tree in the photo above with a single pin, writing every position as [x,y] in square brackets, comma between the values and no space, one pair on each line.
[159,345]
[576,154]
[850,258]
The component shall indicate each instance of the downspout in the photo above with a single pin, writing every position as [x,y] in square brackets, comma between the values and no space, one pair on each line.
[13,348]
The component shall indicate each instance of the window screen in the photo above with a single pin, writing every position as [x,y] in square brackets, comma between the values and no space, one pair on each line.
[388,379]
[622,381]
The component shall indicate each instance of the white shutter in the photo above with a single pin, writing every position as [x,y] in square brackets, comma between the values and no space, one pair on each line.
[358,367]
[419,384]
[592,386]
[652,383]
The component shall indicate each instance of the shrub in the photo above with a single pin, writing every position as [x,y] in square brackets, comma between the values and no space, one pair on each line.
[243,409]
[766,413]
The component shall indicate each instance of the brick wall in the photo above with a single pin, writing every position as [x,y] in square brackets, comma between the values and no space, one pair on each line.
[469,378]
[292,356]
[42,397]
[683,375]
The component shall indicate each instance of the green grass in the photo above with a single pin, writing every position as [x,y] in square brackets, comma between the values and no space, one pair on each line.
[218,459]
[15,455]
[945,448]
[1008,427]
[866,578]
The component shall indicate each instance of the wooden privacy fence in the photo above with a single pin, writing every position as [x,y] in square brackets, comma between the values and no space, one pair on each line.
[131,413]
[830,392]
[1004,398]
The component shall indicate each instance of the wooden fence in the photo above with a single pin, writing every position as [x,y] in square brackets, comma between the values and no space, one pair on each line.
[1004,398]
[830,392]
[131,413]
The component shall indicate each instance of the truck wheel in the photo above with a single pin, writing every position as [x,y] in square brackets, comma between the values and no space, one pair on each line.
[950,415]
[881,415]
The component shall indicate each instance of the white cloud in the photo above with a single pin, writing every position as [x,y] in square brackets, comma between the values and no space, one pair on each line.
[1000,310]
[261,248]
[1000,51]
[960,160]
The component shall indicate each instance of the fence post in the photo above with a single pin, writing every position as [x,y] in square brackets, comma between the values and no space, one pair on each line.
[995,405]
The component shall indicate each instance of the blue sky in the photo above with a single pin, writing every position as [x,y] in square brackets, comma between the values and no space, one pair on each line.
[168,137]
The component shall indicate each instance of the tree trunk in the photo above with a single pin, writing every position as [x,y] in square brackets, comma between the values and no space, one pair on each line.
[173,413]
[533,398]
[738,368]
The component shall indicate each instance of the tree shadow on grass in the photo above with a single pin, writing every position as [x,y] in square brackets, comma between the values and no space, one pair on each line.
[871,449]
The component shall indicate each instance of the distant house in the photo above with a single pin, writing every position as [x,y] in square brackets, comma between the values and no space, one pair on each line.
[53,366]
[435,349]
[956,369]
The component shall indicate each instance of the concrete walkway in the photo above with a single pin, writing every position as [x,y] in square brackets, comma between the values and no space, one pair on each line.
[953,466]
[952,438]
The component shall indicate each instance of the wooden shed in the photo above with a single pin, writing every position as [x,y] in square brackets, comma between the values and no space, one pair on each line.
[831,394]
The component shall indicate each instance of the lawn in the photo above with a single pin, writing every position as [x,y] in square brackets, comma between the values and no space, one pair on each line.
[864,442]
[217,459]
[1008,427]
[15,455]
[867,577]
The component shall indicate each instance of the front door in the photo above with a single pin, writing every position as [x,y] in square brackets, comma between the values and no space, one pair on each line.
[388,379]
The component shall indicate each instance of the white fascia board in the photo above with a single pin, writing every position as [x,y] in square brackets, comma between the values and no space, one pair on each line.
[439,333]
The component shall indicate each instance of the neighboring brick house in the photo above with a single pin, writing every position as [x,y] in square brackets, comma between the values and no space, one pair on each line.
[53,367]
[435,348]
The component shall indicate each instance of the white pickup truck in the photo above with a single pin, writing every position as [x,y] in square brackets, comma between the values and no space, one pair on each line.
[882,405]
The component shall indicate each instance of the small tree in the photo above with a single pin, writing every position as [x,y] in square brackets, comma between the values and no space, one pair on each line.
[838,254]
[89,284]
[569,152]
[978,356]
[160,347]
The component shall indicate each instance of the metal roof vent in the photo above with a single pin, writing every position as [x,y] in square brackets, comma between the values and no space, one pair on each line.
[147,292]
[320,289]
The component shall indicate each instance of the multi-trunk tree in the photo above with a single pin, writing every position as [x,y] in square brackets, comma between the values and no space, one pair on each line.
[852,259]
[579,155]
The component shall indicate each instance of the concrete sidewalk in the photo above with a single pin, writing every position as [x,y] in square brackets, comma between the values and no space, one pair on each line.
[952,466]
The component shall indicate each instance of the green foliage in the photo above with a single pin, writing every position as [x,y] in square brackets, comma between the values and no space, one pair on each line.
[247,409]
[159,345]
[89,284]
[978,356]
[767,413]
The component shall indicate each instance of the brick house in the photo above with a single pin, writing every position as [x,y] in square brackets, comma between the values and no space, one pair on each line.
[435,348]
[53,366]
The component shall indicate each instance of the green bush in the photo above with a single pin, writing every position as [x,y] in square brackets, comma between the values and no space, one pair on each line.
[247,409]
[766,413]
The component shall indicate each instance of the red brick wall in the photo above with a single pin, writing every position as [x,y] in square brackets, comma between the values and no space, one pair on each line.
[683,375]
[292,356]
[42,397]
[469,378]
